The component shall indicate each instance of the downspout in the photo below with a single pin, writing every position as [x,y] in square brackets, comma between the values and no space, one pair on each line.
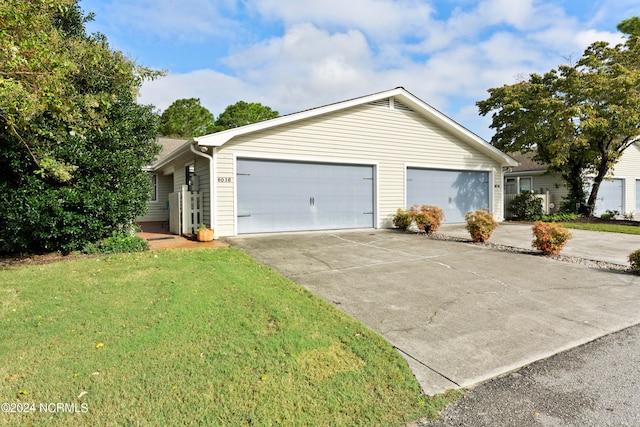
[213,204]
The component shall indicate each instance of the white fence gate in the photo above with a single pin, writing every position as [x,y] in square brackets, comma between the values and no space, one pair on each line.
[185,211]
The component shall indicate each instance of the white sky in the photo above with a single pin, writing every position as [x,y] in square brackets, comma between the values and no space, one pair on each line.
[297,54]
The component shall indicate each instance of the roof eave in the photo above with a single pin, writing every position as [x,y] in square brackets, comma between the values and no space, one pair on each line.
[171,156]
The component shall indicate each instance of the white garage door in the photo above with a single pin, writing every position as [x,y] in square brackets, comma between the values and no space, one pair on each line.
[610,196]
[295,196]
[455,192]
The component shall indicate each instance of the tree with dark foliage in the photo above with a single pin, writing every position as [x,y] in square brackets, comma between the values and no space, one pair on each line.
[73,139]
[578,119]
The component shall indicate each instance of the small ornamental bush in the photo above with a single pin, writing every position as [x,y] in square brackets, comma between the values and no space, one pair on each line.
[634,260]
[480,225]
[526,205]
[428,218]
[402,219]
[609,214]
[117,243]
[550,237]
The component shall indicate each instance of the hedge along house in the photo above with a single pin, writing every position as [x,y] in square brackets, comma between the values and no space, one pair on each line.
[620,191]
[350,164]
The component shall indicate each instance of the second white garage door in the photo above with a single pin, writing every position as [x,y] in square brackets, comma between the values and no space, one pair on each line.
[295,196]
[610,196]
[455,192]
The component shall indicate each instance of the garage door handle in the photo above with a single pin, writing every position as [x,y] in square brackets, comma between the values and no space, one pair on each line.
[312,201]
[243,216]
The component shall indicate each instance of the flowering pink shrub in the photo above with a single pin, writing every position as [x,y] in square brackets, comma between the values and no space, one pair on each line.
[428,218]
[550,237]
[480,225]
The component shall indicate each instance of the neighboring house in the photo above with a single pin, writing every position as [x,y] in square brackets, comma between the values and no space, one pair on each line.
[619,192]
[350,164]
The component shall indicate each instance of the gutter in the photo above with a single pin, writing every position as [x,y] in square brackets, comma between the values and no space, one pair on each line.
[213,199]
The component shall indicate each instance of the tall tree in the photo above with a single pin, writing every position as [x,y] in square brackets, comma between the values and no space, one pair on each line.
[242,113]
[186,118]
[578,119]
[73,139]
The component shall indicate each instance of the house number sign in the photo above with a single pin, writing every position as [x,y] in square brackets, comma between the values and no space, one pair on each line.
[224,179]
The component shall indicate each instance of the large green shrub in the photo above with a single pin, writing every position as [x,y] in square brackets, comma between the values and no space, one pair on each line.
[526,206]
[73,138]
[550,237]
[634,260]
[480,225]
[428,218]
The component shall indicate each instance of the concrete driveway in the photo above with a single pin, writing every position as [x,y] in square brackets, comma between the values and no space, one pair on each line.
[459,313]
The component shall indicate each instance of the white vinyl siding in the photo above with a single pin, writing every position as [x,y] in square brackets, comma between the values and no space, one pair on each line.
[157,210]
[637,210]
[629,168]
[363,134]
[553,185]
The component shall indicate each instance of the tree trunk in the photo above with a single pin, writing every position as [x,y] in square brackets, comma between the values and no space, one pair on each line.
[576,197]
[602,172]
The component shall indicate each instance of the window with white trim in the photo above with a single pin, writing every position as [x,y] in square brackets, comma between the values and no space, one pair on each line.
[154,187]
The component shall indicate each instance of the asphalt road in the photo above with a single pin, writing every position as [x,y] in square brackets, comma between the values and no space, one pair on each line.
[597,384]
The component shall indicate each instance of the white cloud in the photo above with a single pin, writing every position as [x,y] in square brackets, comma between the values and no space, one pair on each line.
[306,60]
[336,49]
[377,18]
[169,19]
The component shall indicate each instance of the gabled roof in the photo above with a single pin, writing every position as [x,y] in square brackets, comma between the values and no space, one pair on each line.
[220,138]
[527,164]
[169,145]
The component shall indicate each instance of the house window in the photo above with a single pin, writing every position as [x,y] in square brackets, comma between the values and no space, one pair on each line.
[525,184]
[154,187]
[510,185]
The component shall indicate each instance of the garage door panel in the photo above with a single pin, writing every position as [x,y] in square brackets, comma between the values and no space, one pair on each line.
[292,196]
[610,196]
[455,192]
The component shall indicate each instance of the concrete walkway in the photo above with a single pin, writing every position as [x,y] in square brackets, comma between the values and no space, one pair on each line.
[459,313]
[592,245]
[159,237]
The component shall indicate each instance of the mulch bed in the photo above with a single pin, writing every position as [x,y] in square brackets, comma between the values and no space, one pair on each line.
[39,259]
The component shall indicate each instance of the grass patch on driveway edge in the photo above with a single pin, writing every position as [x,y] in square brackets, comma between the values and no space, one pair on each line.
[200,336]
[604,227]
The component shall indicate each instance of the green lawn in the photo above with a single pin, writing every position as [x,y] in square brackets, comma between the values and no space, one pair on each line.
[610,228]
[191,337]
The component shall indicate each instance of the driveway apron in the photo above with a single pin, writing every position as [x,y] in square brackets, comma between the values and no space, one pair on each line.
[459,313]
